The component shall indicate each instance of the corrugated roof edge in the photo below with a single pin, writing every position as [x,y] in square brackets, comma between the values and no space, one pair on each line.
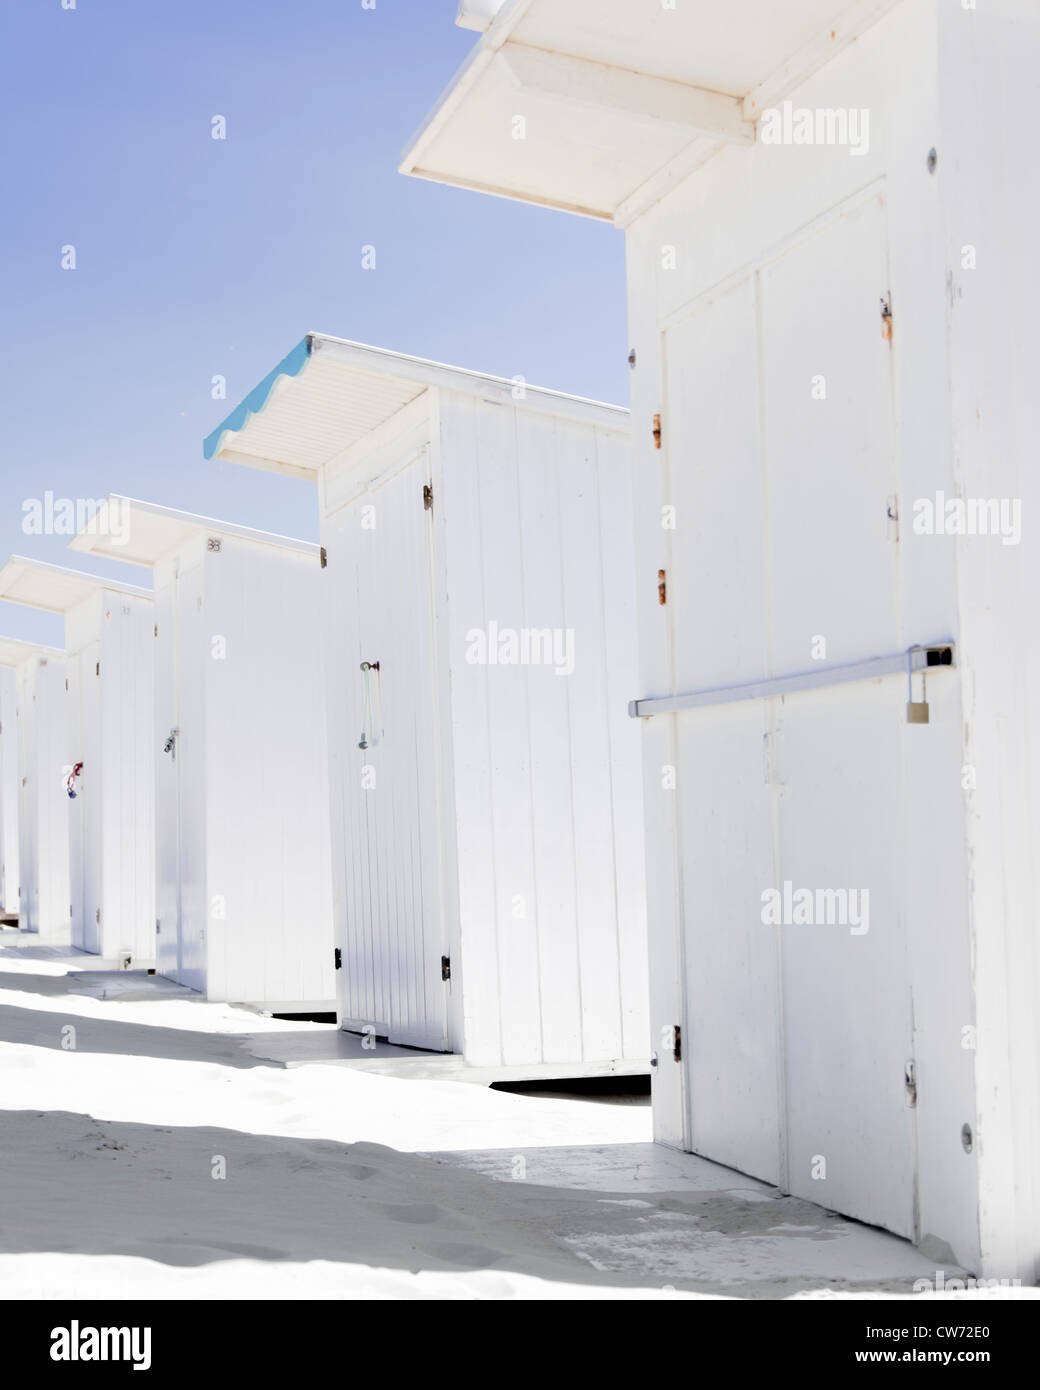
[423,371]
[291,365]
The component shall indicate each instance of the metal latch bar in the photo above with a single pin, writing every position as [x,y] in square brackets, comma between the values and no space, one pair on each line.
[921,657]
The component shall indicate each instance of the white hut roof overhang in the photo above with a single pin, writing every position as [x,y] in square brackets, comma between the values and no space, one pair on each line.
[13,652]
[329,394]
[619,99]
[141,533]
[56,588]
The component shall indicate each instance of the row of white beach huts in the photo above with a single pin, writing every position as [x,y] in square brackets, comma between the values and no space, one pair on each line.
[392,775]
[777,746]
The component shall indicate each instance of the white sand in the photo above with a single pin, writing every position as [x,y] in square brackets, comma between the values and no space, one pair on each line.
[108,1152]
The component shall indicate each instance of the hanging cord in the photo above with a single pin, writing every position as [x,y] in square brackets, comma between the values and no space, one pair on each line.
[370,732]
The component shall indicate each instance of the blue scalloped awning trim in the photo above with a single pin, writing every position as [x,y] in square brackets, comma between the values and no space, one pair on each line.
[292,365]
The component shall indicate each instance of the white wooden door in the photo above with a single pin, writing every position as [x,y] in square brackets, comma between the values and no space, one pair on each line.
[830,462]
[385,802]
[716,599]
[167,783]
[190,771]
[779,437]
[77,816]
[28,802]
[86,810]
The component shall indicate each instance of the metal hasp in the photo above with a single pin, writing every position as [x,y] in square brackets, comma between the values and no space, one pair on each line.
[919,658]
[916,710]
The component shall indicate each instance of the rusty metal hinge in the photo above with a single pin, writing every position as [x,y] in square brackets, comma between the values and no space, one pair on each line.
[662,587]
[324,558]
[657,431]
[97,669]
[677,1043]
[427,497]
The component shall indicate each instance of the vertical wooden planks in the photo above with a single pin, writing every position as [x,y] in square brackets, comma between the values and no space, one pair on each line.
[582,562]
[259,636]
[468,610]
[194,808]
[509,734]
[541,454]
[623,751]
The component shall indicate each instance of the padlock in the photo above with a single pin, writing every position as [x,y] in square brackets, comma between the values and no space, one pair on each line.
[916,710]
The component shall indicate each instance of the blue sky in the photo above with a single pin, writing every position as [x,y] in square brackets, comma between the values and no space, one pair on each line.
[197,257]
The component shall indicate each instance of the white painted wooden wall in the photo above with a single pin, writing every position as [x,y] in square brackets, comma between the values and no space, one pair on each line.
[242,811]
[504,826]
[9,781]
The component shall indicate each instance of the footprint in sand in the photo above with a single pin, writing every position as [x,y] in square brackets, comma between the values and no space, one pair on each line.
[418,1214]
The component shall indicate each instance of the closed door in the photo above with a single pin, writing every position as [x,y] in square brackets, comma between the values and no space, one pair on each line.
[28,803]
[385,799]
[780,460]
[717,606]
[85,809]
[830,461]
[167,784]
[187,774]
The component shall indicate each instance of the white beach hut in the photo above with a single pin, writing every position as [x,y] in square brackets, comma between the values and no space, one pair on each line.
[487,825]
[242,858]
[8,793]
[110,712]
[43,709]
[831,229]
